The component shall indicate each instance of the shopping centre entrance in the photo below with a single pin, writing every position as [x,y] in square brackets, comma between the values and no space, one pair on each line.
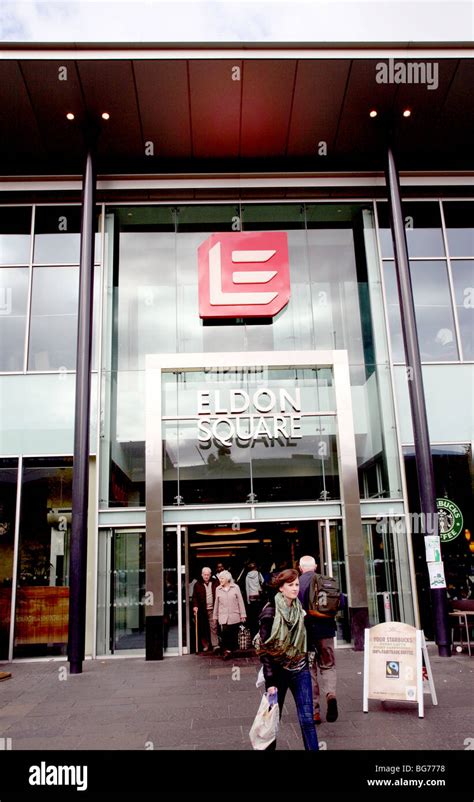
[249,457]
[270,545]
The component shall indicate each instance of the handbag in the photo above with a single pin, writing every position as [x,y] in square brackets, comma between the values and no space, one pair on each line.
[265,724]
[244,638]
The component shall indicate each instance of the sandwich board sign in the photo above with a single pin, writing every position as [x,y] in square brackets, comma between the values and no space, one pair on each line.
[393,665]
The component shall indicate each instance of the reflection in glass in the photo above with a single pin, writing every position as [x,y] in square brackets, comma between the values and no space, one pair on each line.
[8,485]
[13,306]
[459,220]
[297,469]
[386,563]
[127,593]
[463,280]
[127,474]
[42,608]
[58,237]
[453,471]
[53,330]
[434,314]
[15,228]
[422,228]
[197,472]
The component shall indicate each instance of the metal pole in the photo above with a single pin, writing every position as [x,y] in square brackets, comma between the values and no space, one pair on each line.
[80,482]
[424,463]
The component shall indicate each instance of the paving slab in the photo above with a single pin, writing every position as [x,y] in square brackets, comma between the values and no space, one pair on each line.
[201,702]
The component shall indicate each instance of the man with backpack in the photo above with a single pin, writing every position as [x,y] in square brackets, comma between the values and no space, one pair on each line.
[320,598]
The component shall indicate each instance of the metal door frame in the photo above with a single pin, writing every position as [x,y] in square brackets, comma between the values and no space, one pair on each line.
[346,450]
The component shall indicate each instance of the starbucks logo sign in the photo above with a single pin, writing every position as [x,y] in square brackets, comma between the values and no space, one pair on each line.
[450,519]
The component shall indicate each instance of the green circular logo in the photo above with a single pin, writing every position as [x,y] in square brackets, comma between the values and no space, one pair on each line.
[450,519]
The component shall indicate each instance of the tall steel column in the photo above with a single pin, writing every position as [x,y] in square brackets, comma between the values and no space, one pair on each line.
[80,482]
[424,462]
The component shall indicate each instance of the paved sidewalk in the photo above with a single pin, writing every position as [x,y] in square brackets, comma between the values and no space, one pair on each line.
[200,702]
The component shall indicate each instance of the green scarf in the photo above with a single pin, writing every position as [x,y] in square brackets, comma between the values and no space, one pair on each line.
[287,641]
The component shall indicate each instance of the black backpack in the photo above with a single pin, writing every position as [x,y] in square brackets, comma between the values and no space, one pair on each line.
[324,595]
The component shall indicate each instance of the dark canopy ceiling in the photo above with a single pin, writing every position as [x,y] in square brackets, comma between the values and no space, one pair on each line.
[200,119]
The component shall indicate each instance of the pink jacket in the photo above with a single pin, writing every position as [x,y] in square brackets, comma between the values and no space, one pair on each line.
[229,605]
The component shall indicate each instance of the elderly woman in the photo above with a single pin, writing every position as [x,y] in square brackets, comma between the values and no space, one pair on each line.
[283,653]
[229,611]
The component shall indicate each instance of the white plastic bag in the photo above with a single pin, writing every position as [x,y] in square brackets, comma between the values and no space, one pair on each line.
[265,725]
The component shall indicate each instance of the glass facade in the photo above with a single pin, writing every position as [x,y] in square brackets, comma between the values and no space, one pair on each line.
[343,297]
[42,602]
[334,287]
[440,238]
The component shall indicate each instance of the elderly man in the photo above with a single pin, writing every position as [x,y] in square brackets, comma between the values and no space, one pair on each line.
[204,595]
[321,630]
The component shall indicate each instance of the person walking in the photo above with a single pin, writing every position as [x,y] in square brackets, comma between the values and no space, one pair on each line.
[204,595]
[321,630]
[229,611]
[283,653]
[253,591]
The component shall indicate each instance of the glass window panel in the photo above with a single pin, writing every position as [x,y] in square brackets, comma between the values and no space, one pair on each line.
[42,607]
[297,469]
[127,474]
[8,484]
[200,472]
[449,393]
[393,312]
[13,306]
[58,235]
[338,275]
[146,296]
[459,219]
[272,216]
[463,280]
[15,231]
[422,227]
[53,329]
[434,313]
[37,413]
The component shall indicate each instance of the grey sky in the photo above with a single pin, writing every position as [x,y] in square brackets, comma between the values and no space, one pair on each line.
[244,21]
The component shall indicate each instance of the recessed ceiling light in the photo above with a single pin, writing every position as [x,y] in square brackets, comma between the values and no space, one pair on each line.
[105,115]
[407,112]
[70,115]
[373,113]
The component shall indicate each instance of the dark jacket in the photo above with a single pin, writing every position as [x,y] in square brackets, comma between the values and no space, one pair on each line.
[317,628]
[199,601]
[199,593]
[271,669]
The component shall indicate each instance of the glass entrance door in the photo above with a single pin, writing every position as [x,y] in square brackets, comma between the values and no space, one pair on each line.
[175,591]
[121,591]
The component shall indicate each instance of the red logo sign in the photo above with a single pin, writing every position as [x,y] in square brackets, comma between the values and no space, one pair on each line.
[244,274]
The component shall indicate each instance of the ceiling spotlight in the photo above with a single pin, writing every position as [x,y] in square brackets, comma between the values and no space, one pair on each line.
[407,112]
[105,115]
[70,115]
[373,113]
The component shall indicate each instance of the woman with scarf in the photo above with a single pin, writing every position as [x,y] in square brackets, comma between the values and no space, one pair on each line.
[282,650]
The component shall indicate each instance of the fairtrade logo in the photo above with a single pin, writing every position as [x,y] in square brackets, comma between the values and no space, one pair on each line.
[243,274]
[392,669]
[450,519]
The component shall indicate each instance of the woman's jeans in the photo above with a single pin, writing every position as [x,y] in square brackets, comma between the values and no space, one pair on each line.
[299,683]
